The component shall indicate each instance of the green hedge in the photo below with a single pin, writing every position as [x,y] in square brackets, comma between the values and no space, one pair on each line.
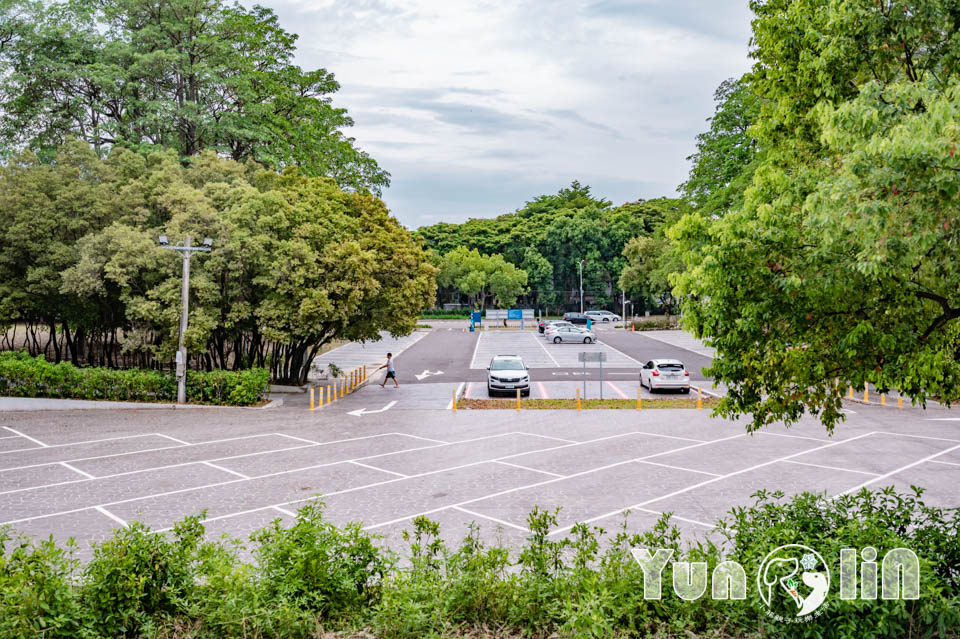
[313,577]
[24,376]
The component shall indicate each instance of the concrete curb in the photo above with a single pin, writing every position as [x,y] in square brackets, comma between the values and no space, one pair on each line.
[32,404]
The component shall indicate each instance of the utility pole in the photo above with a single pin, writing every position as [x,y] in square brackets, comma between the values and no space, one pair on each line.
[580,264]
[623,311]
[184,250]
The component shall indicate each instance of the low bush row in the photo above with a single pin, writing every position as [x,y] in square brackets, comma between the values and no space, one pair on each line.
[24,376]
[313,577]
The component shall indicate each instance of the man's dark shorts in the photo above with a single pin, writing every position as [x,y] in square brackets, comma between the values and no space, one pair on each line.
[391,375]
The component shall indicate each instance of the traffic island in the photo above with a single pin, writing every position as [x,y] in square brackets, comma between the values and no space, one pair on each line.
[571,404]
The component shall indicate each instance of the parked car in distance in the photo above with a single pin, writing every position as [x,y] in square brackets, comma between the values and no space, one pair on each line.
[571,334]
[506,374]
[602,316]
[575,318]
[554,324]
[658,374]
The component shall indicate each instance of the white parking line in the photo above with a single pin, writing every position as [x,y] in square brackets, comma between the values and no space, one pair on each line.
[488,517]
[937,461]
[476,346]
[285,511]
[942,439]
[190,463]
[540,344]
[848,470]
[899,470]
[382,470]
[109,514]
[226,470]
[543,390]
[617,389]
[35,441]
[174,439]
[672,516]
[706,481]
[618,351]
[77,470]
[689,470]
[535,470]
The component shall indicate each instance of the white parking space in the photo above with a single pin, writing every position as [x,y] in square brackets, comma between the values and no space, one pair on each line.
[537,352]
[356,354]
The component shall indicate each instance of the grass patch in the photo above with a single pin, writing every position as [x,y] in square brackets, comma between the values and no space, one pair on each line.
[568,404]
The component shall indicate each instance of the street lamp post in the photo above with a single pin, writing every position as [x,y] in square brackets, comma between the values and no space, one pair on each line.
[580,264]
[185,250]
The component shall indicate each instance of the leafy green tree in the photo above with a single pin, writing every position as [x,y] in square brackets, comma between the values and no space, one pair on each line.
[557,231]
[724,162]
[478,276]
[297,262]
[183,74]
[839,269]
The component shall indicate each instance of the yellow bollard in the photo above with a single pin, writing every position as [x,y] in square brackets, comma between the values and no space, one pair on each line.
[518,399]
[312,405]
[578,399]
[850,395]
[639,400]
[883,400]
[866,394]
[320,402]
[454,405]
[343,383]
[699,399]
[364,372]
[899,402]
[331,394]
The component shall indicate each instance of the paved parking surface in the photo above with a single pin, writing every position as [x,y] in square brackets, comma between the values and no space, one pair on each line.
[84,473]
[382,456]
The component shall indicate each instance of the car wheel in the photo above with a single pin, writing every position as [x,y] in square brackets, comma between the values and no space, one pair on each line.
[525,393]
[606,319]
[587,340]
[686,391]
[557,340]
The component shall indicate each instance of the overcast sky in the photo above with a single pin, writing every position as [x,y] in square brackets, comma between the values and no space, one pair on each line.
[476,106]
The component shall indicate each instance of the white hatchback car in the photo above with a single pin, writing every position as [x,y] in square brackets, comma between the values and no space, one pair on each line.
[507,374]
[602,316]
[658,374]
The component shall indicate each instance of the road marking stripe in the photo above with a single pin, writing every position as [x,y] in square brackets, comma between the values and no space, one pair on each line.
[846,470]
[899,470]
[226,470]
[672,516]
[382,470]
[467,394]
[190,463]
[540,344]
[77,470]
[35,441]
[284,511]
[109,514]
[706,481]
[476,346]
[494,519]
[937,461]
[617,389]
[535,470]
[559,439]
[174,439]
[689,470]
[942,439]
[543,390]
[619,352]
[663,341]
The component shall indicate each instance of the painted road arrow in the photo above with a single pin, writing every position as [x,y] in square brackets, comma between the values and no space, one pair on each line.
[363,411]
[427,373]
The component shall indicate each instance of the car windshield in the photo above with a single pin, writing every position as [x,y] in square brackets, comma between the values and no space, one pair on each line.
[670,367]
[507,365]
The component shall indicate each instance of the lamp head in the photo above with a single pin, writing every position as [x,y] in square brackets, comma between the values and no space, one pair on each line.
[207,242]
[163,240]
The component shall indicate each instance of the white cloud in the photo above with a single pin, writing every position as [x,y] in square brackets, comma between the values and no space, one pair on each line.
[507,100]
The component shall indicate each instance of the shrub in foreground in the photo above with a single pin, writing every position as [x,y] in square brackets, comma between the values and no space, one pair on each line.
[24,376]
[313,577]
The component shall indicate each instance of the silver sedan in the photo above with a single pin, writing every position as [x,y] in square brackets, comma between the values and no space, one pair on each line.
[571,334]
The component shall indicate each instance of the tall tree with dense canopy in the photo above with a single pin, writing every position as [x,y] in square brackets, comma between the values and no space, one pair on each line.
[839,269]
[296,263]
[183,74]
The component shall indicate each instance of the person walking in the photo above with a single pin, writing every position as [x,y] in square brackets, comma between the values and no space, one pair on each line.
[391,372]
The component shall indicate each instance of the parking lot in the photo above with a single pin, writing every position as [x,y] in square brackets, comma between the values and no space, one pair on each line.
[384,456]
